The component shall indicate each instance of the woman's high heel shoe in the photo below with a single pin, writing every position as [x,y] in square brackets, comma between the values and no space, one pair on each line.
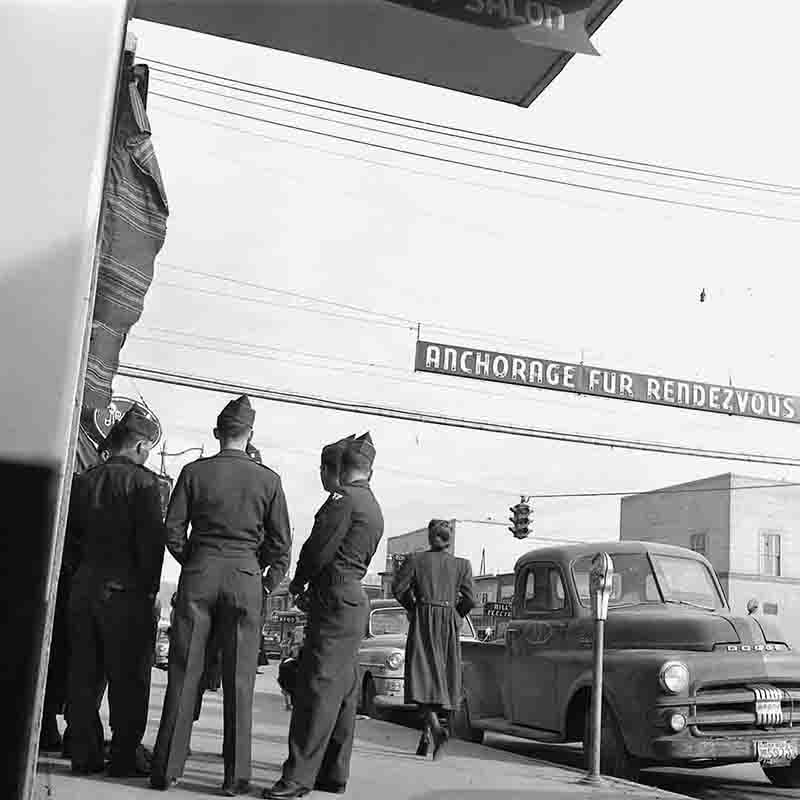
[424,743]
[440,738]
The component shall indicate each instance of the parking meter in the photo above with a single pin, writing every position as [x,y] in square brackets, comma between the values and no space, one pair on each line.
[600,583]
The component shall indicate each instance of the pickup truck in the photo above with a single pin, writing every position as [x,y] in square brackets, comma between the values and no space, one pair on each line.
[686,682]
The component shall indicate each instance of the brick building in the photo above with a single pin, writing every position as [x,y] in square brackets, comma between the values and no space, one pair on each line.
[750,533]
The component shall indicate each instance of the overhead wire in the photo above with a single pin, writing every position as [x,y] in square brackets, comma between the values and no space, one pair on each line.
[465,133]
[444,420]
[532,495]
[672,202]
[461,148]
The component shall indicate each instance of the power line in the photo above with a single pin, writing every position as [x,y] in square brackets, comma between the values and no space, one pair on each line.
[465,133]
[408,322]
[293,398]
[461,148]
[493,170]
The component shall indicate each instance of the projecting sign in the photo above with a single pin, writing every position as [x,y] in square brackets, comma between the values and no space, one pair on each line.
[489,365]
[507,50]
[498,609]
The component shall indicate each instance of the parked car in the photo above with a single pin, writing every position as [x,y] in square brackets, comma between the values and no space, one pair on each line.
[686,682]
[270,645]
[161,655]
[381,657]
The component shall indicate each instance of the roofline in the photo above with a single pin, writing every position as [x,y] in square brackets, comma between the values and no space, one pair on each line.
[676,487]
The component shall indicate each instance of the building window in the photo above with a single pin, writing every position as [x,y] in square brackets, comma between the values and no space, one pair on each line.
[699,543]
[771,554]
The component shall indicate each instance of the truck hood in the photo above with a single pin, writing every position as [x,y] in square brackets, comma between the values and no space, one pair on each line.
[680,627]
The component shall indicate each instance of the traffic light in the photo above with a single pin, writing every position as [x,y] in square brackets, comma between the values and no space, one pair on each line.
[521,519]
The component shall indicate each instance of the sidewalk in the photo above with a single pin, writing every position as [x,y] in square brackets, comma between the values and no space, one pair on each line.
[383,766]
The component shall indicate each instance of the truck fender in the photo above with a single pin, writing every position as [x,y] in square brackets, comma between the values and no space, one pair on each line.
[579,694]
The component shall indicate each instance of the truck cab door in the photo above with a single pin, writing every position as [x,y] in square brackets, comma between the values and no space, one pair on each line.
[536,644]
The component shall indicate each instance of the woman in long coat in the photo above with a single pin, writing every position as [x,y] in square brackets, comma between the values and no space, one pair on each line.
[436,590]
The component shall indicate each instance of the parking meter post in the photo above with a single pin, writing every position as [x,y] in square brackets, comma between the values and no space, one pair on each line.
[600,587]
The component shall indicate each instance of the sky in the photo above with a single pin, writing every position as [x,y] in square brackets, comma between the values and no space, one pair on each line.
[494,261]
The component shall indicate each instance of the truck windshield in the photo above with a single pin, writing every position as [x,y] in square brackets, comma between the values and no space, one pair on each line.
[684,580]
[633,581]
[394,622]
[676,580]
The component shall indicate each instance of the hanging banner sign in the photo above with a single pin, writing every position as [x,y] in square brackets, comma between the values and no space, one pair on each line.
[558,26]
[489,365]
[506,50]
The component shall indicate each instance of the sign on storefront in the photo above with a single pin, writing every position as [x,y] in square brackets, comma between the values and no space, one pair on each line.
[497,609]
[562,376]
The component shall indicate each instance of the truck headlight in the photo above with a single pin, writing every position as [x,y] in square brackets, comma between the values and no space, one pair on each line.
[674,677]
[395,660]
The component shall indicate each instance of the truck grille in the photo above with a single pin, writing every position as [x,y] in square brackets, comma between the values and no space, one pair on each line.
[745,709]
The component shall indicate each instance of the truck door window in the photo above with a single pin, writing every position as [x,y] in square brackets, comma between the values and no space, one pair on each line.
[544,589]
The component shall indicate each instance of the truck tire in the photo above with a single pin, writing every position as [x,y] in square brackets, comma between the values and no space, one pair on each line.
[785,777]
[461,726]
[615,760]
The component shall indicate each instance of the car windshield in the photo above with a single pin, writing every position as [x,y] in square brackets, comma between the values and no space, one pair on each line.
[675,580]
[685,580]
[394,622]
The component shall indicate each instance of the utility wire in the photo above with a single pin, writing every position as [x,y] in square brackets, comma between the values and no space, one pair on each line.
[465,133]
[435,143]
[293,398]
[494,170]
[407,322]
[531,495]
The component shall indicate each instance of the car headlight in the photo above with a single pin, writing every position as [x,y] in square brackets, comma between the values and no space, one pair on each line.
[395,660]
[674,677]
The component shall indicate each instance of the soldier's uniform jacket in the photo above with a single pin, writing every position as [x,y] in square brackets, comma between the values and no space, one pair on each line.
[236,506]
[115,529]
[347,530]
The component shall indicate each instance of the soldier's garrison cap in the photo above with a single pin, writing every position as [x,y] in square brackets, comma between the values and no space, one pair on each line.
[362,446]
[332,453]
[137,421]
[238,413]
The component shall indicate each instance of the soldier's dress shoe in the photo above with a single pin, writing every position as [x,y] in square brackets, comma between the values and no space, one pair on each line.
[235,788]
[160,782]
[285,790]
[88,769]
[330,788]
[132,770]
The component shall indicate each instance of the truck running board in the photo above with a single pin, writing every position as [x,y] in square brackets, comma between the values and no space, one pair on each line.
[502,725]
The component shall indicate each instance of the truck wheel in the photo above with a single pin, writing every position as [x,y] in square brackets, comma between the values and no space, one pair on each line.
[785,777]
[368,703]
[461,726]
[615,760]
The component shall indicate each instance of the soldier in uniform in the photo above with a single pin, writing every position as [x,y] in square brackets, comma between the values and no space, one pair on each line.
[346,533]
[115,519]
[239,528]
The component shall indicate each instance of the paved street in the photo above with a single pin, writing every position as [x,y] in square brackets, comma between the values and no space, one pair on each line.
[384,766]
[740,782]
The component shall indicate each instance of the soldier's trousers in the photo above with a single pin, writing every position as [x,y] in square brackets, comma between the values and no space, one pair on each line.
[111,640]
[225,593]
[324,714]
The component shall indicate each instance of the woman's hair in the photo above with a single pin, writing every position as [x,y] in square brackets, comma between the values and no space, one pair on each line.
[439,532]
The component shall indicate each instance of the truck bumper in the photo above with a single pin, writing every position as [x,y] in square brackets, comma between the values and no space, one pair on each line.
[691,747]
